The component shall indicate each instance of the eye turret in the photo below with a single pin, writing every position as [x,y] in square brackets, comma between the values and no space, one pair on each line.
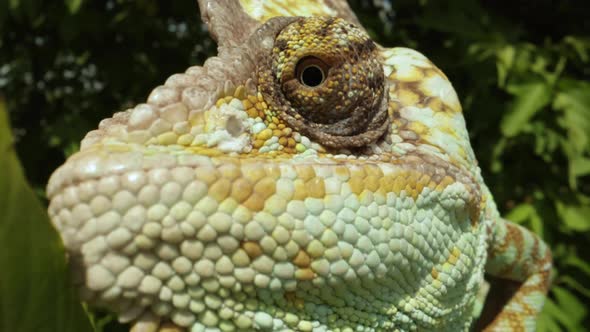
[324,79]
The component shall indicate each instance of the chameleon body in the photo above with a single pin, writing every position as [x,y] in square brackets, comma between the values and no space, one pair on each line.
[305,179]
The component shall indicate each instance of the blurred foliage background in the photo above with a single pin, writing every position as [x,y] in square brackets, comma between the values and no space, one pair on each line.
[520,67]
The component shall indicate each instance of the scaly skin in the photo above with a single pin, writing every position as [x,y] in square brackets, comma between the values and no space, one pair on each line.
[239,199]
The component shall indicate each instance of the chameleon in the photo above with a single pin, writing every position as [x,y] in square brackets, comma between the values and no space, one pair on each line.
[304,179]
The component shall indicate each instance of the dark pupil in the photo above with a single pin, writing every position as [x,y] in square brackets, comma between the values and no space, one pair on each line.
[312,76]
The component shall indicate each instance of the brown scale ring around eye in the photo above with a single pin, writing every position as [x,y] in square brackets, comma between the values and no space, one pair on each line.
[324,80]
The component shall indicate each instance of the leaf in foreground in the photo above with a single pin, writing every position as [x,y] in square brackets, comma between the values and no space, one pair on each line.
[530,98]
[35,293]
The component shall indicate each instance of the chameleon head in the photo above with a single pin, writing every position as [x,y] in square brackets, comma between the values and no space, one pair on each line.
[304,174]
[326,81]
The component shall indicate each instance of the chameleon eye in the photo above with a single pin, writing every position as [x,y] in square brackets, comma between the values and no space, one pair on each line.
[311,71]
[325,80]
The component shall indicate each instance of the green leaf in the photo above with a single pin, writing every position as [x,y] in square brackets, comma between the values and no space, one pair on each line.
[575,261]
[14,4]
[567,310]
[580,45]
[73,5]
[574,308]
[531,97]
[36,291]
[546,322]
[526,214]
[575,217]
[520,213]
[575,284]
[573,99]
[504,61]
[552,315]
[580,167]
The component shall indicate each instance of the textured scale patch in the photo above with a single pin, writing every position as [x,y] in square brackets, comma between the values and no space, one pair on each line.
[186,241]
[263,10]
[306,179]
[430,117]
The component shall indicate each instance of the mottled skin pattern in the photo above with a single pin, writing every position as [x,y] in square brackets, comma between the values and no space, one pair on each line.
[306,179]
